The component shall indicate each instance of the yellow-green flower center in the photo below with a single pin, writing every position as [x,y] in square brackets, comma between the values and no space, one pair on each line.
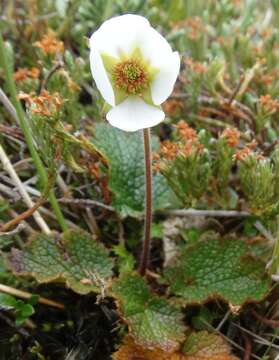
[131,76]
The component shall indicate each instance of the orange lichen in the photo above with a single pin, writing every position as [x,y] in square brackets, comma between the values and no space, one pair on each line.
[252,145]
[199,148]
[24,73]
[169,149]
[21,74]
[266,33]
[50,45]
[157,167]
[191,148]
[269,77]
[268,104]
[45,104]
[155,156]
[187,149]
[237,3]
[186,132]
[196,27]
[196,66]
[232,136]
[173,107]
[242,154]
[257,50]
[188,145]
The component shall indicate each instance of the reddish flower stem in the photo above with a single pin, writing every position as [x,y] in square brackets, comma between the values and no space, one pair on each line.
[148,204]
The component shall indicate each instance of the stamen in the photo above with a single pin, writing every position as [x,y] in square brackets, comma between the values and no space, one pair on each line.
[131,76]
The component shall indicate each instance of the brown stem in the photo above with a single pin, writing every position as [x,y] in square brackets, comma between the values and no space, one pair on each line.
[248,348]
[236,90]
[55,67]
[264,320]
[51,179]
[22,216]
[148,203]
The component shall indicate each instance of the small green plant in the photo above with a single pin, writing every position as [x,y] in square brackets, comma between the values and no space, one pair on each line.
[21,310]
[259,179]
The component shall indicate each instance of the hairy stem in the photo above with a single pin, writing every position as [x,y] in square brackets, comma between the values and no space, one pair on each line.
[148,203]
[27,133]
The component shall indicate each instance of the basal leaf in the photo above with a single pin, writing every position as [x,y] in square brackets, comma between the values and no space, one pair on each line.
[198,346]
[131,350]
[205,346]
[153,322]
[75,258]
[124,152]
[217,269]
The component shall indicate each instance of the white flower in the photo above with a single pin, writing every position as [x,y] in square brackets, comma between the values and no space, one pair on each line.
[135,70]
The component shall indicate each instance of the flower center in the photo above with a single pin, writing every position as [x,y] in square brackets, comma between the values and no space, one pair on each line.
[131,76]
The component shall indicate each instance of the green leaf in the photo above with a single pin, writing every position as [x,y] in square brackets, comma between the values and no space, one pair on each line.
[157,230]
[126,261]
[124,152]
[153,322]
[7,302]
[22,310]
[218,269]
[75,258]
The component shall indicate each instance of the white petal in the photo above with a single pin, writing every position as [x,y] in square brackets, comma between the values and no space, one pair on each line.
[157,51]
[119,34]
[134,114]
[154,47]
[162,85]
[100,76]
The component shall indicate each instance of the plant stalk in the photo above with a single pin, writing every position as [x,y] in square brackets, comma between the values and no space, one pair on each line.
[27,133]
[148,203]
[274,268]
[26,295]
